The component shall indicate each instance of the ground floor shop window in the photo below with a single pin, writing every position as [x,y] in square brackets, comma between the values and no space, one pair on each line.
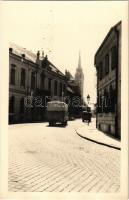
[11,104]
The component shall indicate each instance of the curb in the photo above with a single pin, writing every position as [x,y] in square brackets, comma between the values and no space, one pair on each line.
[101,143]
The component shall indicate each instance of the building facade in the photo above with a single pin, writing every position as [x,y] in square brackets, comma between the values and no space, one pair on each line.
[108,67]
[33,81]
[79,76]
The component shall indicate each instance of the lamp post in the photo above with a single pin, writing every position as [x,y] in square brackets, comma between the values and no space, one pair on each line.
[62,96]
[88,98]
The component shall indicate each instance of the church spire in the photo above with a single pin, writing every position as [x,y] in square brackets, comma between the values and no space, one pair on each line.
[79,60]
[79,76]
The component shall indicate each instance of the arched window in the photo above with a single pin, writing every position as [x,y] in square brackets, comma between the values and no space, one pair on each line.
[101,103]
[64,89]
[112,99]
[100,71]
[106,100]
[49,84]
[106,64]
[55,88]
[21,106]
[114,57]
[60,89]
[23,77]
[11,104]
[42,81]
[33,80]
[12,74]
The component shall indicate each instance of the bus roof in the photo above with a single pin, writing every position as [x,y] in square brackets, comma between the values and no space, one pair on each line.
[57,106]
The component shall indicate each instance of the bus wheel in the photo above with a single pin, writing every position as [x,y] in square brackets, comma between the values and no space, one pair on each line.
[50,123]
[64,123]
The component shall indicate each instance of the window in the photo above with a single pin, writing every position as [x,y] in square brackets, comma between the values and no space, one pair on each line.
[106,64]
[55,88]
[33,80]
[13,74]
[106,100]
[42,81]
[100,71]
[23,77]
[49,84]
[60,89]
[11,104]
[112,99]
[99,100]
[64,88]
[21,106]
[114,57]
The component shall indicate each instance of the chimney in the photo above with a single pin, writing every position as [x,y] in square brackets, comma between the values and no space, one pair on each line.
[10,50]
[38,55]
[23,55]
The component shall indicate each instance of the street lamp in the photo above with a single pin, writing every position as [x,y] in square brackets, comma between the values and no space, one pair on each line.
[88,98]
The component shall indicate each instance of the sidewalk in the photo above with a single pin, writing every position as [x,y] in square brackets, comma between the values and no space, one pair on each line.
[91,133]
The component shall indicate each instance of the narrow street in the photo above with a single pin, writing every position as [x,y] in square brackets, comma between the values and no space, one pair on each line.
[56,159]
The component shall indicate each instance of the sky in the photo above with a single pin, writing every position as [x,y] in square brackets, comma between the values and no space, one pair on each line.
[63,28]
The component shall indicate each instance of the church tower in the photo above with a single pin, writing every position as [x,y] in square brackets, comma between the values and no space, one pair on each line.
[79,76]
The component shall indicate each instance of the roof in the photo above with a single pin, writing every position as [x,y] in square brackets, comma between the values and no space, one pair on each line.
[72,82]
[18,50]
[102,44]
[55,69]
[57,106]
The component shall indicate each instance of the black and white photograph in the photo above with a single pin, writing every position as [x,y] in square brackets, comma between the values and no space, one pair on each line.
[66,91]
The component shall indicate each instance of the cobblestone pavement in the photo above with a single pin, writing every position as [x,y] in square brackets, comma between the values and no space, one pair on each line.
[56,159]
